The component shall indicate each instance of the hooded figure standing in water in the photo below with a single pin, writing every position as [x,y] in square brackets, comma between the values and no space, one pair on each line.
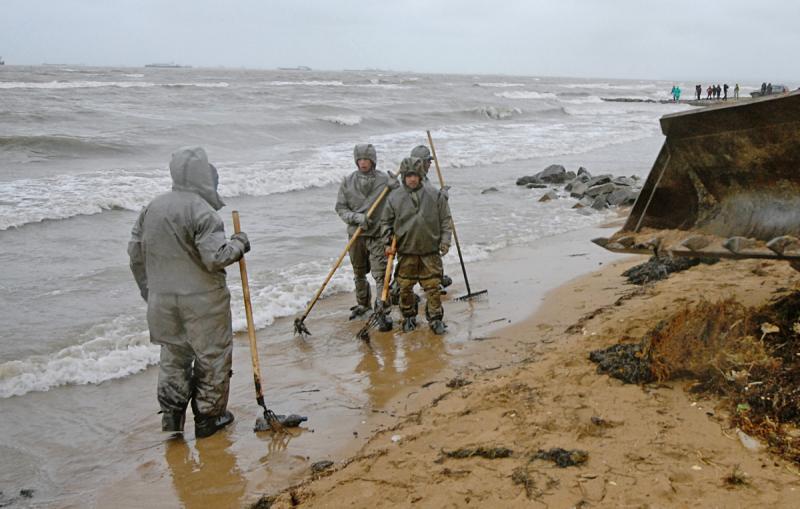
[178,254]
[357,192]
[419,216]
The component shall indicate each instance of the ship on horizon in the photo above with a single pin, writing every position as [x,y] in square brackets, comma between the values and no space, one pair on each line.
[2,62]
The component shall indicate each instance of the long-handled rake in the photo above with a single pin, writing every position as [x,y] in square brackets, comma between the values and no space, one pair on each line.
[299,322]
[269,421]
[383,306]
[470,294]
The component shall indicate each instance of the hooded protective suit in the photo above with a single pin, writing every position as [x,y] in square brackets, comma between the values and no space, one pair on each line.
[178,252]
[357,192]
[420,219]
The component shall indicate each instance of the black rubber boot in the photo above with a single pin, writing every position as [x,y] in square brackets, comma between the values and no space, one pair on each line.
[385,323]
[359,311]
[172,422]
[409,324]
[207,425]
[446,281]
[438,327]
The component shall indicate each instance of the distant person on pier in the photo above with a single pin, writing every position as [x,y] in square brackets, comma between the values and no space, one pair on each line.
[698,90]
[708,93]
[736,92]
[769,88]
[763,88]
[725,92]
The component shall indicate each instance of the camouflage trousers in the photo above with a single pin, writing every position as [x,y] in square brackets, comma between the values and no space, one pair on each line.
[196,340]
[367,256]
[427,271]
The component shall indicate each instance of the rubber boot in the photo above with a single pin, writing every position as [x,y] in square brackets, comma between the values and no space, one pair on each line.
[207,425]
[438,327]
[409,324]
[385,323]
[359,311]
[172,422]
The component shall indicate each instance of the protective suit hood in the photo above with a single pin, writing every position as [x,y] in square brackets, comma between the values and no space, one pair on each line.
[411,165]
[422,152]
[191,171]
[366,151]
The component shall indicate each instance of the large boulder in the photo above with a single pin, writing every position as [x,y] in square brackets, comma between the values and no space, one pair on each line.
[600,179]
[622,196]
[596,190]
[554,174]
[577,190]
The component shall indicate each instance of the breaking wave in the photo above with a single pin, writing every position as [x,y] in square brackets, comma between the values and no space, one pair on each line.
[523,94]
[343,120]
[497,113]
[100,84]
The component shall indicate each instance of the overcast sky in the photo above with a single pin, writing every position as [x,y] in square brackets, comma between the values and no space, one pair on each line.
[667,39]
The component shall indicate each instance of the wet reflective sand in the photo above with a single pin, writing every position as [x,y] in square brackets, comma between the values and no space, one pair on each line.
[114,455]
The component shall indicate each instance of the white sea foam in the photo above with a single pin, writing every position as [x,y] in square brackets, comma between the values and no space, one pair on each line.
[115,350]
[345,120]
[496,113]
[525,94]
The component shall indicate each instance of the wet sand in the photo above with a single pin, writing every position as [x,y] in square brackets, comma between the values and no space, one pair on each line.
[648,446]
[112,454]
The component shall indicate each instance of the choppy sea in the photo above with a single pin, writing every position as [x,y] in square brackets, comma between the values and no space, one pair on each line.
[83,149]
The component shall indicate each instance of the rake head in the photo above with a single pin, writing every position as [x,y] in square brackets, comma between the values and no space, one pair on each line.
[472,295]
[300,327]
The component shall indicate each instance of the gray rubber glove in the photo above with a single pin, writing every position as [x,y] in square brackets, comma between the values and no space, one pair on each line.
[241,237]
[362,220]
[393,182]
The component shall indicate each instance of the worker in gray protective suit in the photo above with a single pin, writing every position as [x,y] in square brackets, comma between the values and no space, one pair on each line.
[419,216]
[357,192]
[178,252]
[422,152]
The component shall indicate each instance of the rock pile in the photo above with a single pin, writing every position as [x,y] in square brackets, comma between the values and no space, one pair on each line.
[598,192]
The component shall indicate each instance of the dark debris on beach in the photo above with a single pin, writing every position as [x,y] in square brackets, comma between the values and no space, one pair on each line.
[750,357]
[659,267]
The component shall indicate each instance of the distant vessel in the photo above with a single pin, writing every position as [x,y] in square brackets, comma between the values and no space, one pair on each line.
[170,65]
[298,68]
[2,62]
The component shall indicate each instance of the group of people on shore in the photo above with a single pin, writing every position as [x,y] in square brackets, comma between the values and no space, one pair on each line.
[716,92]
[178,252]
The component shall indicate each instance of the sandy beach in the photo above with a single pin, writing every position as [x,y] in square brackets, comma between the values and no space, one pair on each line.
[648,446]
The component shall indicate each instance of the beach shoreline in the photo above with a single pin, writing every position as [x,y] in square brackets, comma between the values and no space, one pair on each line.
[648,446]
[349,390]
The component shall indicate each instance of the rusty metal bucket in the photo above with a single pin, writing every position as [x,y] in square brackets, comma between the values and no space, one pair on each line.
[725,184]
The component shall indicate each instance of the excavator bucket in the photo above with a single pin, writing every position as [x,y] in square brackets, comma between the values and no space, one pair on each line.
[725,184]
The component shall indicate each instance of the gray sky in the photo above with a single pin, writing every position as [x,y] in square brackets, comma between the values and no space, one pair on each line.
[666,39]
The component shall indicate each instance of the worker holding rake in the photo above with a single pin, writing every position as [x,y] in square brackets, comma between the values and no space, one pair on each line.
[419,216]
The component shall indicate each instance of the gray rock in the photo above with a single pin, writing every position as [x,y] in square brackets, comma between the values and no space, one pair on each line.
[600,179]
[570,175]
[584,171]
[490,190]
[600,203]
[536,186]
[584,211]
[596,190]
[555,174]
[578,190]
[524,181]
[549,195]
[622,196]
